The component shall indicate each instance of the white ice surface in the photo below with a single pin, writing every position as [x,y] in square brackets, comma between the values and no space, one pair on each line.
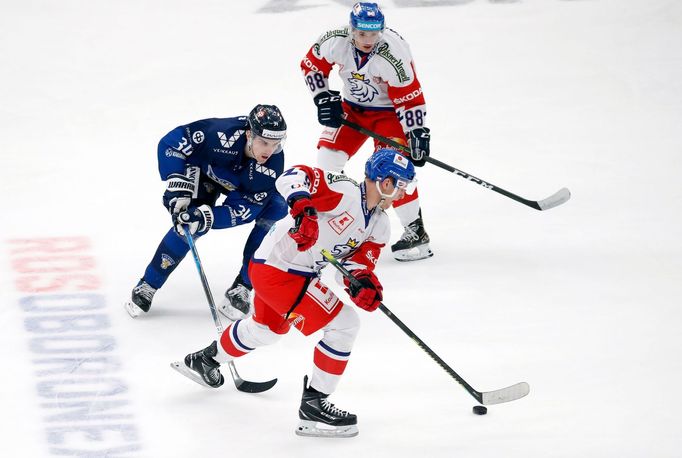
[582,301]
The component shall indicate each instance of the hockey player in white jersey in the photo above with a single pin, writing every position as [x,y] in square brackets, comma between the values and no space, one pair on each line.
[381,92]
[327,211]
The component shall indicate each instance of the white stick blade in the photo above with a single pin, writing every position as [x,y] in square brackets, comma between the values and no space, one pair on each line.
[511,393]
[556,199]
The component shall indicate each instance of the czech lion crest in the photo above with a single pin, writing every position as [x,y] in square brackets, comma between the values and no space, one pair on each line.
[360,88]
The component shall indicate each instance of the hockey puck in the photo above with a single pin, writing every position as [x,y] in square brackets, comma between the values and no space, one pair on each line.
[480,410]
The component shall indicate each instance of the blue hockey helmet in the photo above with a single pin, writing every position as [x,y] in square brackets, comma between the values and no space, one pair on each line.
[267,121]
[367,17]
[387,162]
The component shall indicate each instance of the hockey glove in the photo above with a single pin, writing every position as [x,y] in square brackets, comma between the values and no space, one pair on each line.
[305,230]
[180,189]
[419,139]
[369,294]
[198,219]
[329,109]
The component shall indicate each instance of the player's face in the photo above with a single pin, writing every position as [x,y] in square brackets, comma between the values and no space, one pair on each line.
[263,148]
[365,41]
[392,192]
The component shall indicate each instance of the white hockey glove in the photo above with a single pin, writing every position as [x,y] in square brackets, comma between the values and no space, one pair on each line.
[181,189]
[199,220]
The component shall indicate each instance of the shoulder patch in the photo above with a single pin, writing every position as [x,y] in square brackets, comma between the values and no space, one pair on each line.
[329,35]
[336,177]
[385,52]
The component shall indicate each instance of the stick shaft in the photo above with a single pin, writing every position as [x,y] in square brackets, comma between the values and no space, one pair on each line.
[563,196]
[204,281]
[476,394]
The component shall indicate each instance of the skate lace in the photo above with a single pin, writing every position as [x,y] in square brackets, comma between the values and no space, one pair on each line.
[410,234]
[145,291]
[332,409]
[239,291]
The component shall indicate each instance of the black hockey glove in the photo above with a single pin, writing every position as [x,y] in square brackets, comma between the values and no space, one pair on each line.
[419,139]
[329,108]
[198,219]
[180,189]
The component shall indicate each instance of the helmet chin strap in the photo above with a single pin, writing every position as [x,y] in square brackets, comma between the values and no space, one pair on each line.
[385,196]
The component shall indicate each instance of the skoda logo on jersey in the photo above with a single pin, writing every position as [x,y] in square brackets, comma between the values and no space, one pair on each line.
[360,88]
[198,137]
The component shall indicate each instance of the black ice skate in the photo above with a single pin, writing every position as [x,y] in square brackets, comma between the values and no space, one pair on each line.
[320,418]
[236,304]
[140,299]
[413,244]
[201,367]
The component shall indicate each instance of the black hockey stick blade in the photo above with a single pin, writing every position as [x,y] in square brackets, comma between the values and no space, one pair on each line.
[247,386]
[242,385]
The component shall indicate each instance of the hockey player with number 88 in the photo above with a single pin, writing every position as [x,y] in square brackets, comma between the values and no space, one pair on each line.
[381,93]
[327,211]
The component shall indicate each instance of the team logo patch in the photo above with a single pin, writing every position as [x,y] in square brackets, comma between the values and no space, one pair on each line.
[361,88]
[295,319]
[166,261]
[322,295]
[198,137]
[341,222]
[400,160]
[260,196]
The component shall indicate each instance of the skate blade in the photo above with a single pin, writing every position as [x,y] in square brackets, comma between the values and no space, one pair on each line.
[189,373]
[133,310]
[413,254]
[309,428]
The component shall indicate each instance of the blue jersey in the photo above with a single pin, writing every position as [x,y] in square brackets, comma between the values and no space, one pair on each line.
[217,146]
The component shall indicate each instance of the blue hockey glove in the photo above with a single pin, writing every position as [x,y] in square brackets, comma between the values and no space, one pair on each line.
[329,108]
[180,190]
[198,219]
[419,139]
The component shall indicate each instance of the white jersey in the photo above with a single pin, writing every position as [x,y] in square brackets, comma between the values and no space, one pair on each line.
[346,228]
[384,79]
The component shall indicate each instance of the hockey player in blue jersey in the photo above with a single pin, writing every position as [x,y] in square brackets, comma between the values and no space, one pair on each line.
[238,157]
